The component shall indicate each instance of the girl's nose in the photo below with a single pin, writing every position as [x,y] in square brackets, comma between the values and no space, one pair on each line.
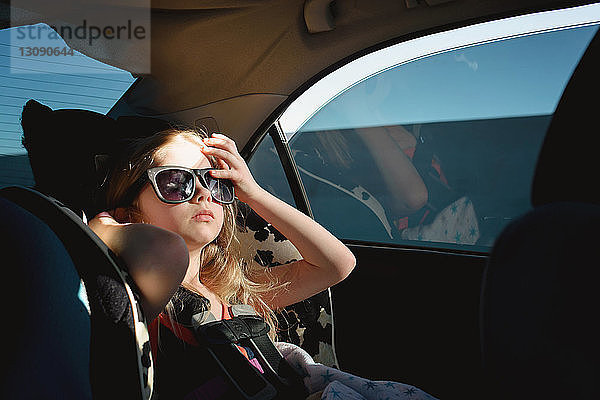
[201,193]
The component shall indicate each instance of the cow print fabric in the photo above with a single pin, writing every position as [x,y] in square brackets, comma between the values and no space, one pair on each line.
[308,323]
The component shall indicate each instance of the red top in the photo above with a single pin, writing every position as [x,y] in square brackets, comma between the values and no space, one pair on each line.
[185,333]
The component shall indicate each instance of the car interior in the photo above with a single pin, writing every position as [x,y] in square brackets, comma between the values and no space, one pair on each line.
[511,317]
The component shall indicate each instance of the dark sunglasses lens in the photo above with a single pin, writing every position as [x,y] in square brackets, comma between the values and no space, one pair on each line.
[175,184]
[220,189]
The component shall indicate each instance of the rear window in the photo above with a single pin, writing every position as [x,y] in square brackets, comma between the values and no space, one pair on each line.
[67,79]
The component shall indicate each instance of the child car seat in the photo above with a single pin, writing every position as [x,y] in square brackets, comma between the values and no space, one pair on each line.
[92,322]
[47,333]
[309,323]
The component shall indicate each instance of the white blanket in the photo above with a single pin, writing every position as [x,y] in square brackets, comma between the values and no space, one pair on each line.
[336,384]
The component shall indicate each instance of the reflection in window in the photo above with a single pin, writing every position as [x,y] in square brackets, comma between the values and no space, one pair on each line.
[440,150]
[384,184]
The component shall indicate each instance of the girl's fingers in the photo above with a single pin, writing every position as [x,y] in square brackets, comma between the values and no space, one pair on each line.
[224,155]
[221,141]
[229,159]
[222,173]
[221,136]
[223,164]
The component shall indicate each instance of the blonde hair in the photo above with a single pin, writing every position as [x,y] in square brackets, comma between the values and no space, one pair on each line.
[222,268]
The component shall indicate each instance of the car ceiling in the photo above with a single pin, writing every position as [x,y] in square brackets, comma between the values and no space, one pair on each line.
[238,61]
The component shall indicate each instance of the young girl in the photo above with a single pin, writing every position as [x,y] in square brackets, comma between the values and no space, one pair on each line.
[172,220]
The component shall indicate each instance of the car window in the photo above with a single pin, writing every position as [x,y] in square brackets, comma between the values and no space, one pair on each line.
[268,170]
[438,150]
[60,78]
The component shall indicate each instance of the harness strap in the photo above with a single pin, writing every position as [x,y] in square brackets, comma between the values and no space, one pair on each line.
[288,382]
[279,381]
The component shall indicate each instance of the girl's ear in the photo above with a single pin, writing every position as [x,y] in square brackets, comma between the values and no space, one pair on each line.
[122,215]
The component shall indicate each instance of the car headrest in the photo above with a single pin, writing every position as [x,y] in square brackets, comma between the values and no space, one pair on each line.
[62,146]
[59,145]
[539,333]
[566,169]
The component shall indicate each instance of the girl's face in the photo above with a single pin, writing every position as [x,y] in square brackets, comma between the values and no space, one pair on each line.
[198,220]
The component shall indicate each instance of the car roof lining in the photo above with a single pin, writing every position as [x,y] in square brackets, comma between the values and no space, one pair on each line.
[209,52]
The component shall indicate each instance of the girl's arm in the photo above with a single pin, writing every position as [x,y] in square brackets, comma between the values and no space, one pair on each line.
[156,259]
[402,179]
[326,260]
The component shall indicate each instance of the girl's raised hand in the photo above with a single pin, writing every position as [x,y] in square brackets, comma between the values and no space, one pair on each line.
[325,260]
[233,166]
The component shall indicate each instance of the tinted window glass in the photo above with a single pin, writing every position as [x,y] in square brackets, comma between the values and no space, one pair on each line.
[65,80]
[268,171]
[439,150]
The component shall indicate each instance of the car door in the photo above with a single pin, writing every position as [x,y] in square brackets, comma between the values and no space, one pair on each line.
[417,155]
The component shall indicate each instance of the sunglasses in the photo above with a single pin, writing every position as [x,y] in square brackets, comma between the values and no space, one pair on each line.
[178,184]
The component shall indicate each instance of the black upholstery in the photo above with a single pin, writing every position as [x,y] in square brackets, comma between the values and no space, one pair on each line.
[62,146]
[540,298]
[46,352]
[99,350]
[567,165]
[540,306]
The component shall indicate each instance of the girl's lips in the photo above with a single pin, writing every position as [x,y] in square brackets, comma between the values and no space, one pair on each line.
[205,215]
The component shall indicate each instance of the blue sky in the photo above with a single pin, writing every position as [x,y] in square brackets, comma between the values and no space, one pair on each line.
[515,77]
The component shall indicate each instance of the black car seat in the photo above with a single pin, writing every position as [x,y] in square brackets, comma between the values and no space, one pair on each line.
[36,343]
[74,326]
[540,297]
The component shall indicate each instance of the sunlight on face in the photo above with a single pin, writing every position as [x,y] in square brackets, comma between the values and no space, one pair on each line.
[198,220]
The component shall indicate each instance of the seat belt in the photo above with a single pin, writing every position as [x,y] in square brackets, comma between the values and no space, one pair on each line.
[246,328]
